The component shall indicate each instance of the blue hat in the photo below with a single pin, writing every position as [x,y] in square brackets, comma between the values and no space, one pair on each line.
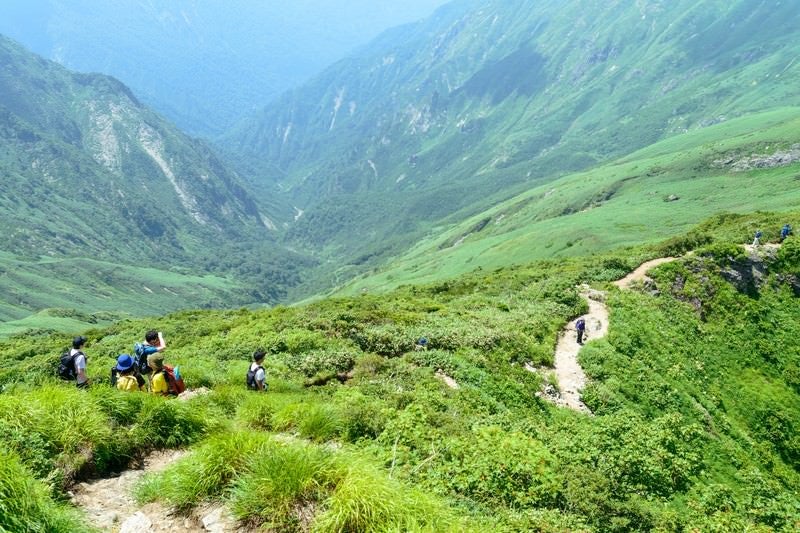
[124,362]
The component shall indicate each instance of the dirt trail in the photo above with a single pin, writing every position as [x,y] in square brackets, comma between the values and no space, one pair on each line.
[109,504]
[570,375]
[641,272]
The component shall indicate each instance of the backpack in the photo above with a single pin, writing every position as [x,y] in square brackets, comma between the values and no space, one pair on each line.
[580,324]
[251,378]
[174,380]
[140,359]
[66,366]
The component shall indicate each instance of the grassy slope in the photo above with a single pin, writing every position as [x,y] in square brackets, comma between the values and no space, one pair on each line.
[572,216]
[695,393]
[77,293]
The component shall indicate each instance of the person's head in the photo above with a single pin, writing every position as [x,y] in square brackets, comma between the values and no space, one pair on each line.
[151,336]
[124,364]
[155,361]
[78,342]
[259,355]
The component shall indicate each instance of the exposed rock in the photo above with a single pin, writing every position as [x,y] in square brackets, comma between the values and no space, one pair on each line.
[672,198]
[136,524]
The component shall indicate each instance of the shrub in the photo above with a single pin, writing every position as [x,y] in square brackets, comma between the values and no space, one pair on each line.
[499,467]
[323,361]
[366,500]
[281,479]
[25,504]
[206,471]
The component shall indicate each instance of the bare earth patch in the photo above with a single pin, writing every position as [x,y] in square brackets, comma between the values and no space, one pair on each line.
[109,504]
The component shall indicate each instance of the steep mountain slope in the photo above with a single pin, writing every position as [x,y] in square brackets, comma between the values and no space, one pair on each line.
[204,65]
[486,98]
[87,171]
[745,164]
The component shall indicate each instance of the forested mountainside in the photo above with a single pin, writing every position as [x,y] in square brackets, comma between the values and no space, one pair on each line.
[203,65]
[89,172]
[439,120]
[694,395]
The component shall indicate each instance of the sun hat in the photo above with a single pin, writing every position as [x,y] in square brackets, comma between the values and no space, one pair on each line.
[155,361]
[124,362]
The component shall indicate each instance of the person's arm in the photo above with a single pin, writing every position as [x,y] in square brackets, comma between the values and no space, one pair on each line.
[261,378]
[161,342]
[80,368]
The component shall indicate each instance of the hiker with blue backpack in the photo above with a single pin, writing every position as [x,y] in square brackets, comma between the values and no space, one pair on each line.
[786,230]
[580,327]
[153,343]
[757,239]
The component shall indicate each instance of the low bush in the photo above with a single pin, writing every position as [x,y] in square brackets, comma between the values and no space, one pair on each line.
[25,504]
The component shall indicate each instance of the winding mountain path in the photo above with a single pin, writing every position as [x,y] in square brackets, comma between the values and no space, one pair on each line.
[570,375]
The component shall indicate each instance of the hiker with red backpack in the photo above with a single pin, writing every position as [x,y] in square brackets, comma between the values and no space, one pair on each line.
[165,380]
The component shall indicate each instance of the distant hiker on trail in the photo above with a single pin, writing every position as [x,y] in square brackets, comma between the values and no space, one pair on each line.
[126,381]
[256,376]
[757,239]
[165,380]
[422,344]
[73,364]
[153,343]
[786,230]
[580,327]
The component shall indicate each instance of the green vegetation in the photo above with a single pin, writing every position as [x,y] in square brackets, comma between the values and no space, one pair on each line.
[695,394]
[438,122]
[619,204]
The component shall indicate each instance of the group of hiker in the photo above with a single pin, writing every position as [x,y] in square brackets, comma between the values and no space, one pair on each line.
[145,370]
[786,230]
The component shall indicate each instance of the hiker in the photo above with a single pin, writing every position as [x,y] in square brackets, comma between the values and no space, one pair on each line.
[580,327]
[757,240]
[126,381]
[72,365]
[422,344]
[785,231]
[256,376]
[165,380]
[81,379]
[153,343]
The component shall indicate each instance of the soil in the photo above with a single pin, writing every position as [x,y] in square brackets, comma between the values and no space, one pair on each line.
[109,504]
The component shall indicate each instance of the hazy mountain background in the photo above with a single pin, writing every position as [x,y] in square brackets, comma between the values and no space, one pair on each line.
[465,127]
[105,205]
[203,64]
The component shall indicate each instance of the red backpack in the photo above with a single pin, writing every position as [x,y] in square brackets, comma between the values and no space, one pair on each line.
[174,380]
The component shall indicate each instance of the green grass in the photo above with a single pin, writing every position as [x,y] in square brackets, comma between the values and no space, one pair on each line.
[694,393]
[616,205]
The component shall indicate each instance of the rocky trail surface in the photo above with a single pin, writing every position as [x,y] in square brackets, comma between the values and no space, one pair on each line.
[570,375]
[109,504]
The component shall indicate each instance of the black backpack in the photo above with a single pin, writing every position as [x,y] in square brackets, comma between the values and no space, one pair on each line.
[66,366]
[251,378]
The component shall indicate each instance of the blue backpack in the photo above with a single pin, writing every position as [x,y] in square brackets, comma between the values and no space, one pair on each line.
[580,324]
[140,358]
